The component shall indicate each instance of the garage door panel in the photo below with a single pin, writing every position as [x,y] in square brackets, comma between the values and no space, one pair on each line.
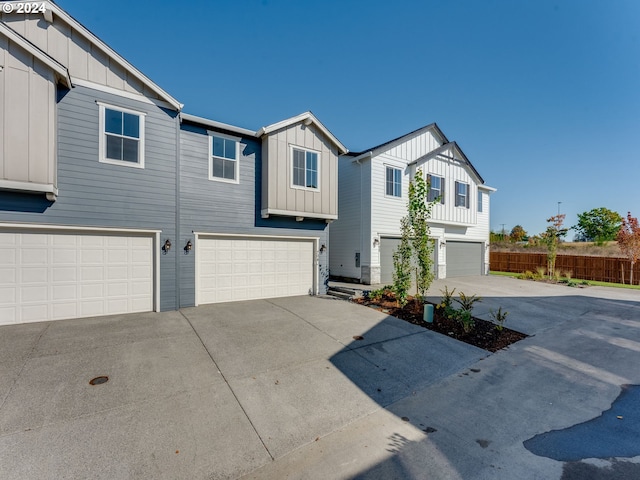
[56,276]
[464,258]
[243,269]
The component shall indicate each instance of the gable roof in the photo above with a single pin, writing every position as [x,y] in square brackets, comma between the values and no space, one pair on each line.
[391,143]
[453,146]
[307,118]
[94,40]
[60,70]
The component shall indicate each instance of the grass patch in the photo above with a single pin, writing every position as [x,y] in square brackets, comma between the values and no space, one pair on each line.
[594,283]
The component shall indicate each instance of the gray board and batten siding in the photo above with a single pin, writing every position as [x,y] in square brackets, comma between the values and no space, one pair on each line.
[94,194]
[214,207]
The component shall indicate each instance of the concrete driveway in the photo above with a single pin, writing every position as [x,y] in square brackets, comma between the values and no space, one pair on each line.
[285,388]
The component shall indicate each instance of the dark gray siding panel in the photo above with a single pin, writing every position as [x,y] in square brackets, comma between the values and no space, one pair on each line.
[218,207]
[103,195]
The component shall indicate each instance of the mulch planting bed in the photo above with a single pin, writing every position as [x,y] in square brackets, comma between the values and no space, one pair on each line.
[484,334]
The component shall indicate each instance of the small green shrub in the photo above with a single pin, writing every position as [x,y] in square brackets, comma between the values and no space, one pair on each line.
[528,275]
[464,317]
[447,298]
[540,272]
[375,295]
[500,317]
[466,302]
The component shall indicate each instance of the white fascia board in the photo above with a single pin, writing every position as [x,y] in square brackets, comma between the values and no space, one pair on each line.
[213,124]
[49,61]
[487,188]
[175,104]
[29,187]
[362,156]
[77,228]
[307,118]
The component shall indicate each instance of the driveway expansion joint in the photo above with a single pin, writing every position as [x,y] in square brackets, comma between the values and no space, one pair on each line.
[228,385]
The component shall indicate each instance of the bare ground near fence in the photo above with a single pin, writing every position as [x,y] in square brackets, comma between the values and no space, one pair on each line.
[583,267]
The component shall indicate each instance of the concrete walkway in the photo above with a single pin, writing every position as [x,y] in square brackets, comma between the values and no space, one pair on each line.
[312,387]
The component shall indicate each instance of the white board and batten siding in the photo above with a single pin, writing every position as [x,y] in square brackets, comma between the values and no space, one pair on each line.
[387,211]
[232,268]
[55,275]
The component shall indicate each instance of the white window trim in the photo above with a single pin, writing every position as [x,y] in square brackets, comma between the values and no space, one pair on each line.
[480,197]
[399,197]
[304,149]
[467,203]
[211,156]
[442,183]
[101,139]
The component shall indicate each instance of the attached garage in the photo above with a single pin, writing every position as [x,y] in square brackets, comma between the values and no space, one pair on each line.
[388,245]
[54,275]
[464,258]
[230,268]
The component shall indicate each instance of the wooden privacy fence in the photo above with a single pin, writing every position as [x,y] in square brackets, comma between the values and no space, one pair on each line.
[603,269]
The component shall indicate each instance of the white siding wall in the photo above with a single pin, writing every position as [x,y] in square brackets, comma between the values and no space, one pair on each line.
[453,171]
[346,232]
[448,221]
[386,212]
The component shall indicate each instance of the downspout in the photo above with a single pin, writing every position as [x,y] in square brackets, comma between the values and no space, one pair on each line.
[177,203]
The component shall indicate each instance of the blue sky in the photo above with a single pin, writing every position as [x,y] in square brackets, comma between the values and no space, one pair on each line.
[543,97]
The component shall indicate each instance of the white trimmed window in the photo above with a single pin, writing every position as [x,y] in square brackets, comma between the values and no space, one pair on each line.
[304,168]
[462,194]
[223,158]
[121,136]
[436,188]
[479,201]
[393,182]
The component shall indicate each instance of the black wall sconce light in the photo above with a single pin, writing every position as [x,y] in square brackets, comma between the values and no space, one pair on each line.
[167,246]
[188,247]
[376,242]
[323,247]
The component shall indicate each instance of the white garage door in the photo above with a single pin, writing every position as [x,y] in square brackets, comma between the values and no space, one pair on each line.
[237,268]
[45,276]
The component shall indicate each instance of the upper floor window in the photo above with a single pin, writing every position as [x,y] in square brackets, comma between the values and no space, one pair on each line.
[479,201]
[462,194]
[393,182]
[121,136]
[223,160]
[305,168]
[436,188]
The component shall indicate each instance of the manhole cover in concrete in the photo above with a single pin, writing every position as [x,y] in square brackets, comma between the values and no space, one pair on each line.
[99,380]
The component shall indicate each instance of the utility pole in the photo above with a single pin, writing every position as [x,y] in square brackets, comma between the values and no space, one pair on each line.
[503,224]
[559,208]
